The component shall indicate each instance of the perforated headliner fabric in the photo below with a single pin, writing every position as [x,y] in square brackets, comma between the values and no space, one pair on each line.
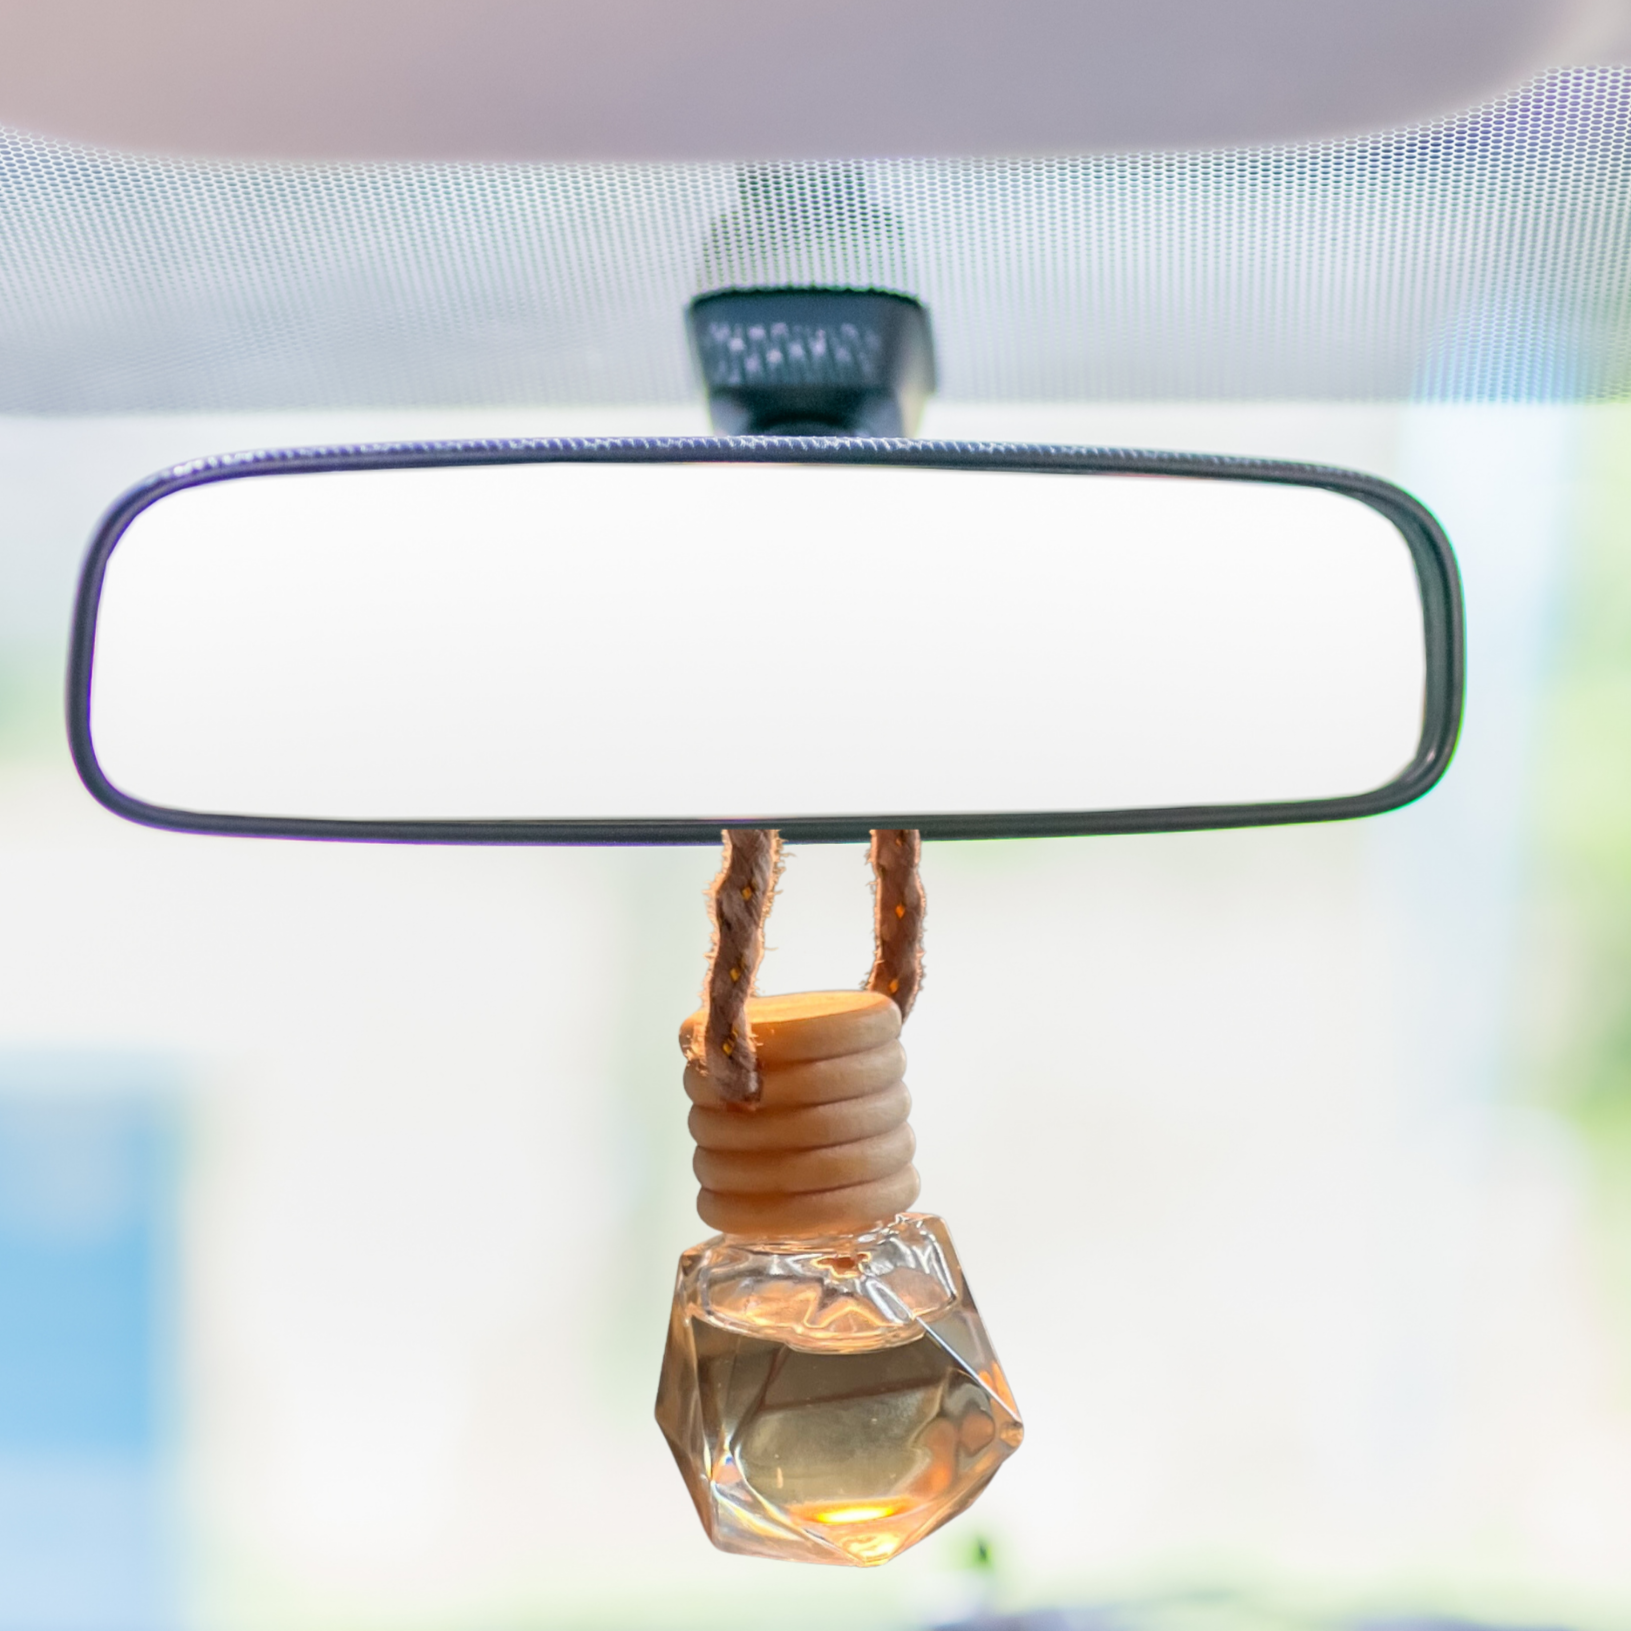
[1487,257]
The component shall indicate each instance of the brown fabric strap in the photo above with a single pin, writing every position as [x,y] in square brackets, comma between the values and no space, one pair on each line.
[739,902]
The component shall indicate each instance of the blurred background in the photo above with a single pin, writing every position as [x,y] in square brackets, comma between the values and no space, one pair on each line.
[341,1187]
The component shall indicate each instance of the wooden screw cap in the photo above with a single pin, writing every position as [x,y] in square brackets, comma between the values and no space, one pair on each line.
[825,1149]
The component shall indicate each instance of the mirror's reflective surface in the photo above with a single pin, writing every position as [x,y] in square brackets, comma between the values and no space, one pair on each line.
[568,641]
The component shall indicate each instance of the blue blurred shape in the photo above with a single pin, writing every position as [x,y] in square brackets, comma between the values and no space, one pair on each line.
[1076,1617]
[1208,1611]
[88,1171]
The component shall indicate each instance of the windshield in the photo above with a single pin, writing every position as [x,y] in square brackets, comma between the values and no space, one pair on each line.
[341,1186]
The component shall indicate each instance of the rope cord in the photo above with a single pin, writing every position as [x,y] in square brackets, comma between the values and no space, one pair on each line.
[739,901]
[897,916]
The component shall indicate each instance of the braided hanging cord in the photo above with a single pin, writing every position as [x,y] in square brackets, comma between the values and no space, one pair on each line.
[739,902]
[897,915]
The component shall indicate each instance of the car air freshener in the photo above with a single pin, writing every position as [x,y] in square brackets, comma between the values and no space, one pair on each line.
[828,1388]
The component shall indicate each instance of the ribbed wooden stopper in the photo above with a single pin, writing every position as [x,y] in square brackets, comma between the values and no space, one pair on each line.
[825,1149]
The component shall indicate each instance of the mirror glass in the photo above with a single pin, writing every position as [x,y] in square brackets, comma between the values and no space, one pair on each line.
[718,641]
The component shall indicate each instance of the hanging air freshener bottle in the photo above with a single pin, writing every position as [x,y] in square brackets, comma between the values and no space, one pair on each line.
[828,1388]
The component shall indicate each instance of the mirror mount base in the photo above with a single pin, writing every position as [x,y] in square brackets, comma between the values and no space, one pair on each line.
[813,362]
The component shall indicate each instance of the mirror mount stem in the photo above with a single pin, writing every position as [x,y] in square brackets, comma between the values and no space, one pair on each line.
[813,362]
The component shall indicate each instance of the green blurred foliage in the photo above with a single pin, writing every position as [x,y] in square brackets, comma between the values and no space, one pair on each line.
[31,708]
[1576,972]
[1584,847]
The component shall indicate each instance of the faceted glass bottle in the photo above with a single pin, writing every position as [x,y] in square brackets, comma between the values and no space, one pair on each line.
[832,1400]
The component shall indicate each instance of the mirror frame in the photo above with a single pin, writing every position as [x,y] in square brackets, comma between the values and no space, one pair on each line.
[1436,574]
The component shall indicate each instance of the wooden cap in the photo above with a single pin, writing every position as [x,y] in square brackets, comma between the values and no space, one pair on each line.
[826,1148]
[806,1025]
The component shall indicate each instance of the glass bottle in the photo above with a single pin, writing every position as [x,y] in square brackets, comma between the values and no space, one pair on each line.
[828,1388]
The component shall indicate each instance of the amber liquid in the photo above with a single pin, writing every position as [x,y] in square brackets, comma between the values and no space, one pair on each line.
[859,1451]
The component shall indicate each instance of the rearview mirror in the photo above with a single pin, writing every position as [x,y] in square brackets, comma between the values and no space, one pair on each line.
[621,641]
